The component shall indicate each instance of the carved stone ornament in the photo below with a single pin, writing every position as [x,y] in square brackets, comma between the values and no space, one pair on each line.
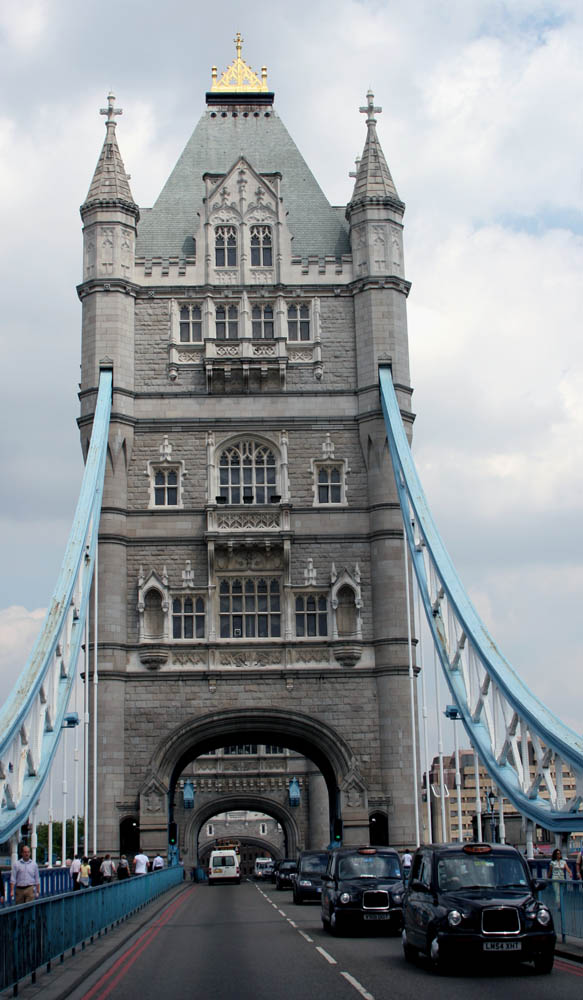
[353,790]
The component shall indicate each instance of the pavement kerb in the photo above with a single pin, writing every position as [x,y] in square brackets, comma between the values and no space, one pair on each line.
[51,985]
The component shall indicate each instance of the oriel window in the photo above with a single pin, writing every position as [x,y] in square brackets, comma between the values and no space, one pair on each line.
[250,608]
[247,473]
[227,322]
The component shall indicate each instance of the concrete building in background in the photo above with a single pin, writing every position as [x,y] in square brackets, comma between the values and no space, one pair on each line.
[251,580]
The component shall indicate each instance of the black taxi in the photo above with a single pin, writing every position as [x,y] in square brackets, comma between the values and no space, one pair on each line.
[362,886]
[466,902]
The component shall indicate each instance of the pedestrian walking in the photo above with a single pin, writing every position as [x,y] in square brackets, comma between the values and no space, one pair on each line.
[95,865]
[74,872]
[123,869]
[141,862]
[107,868]
[85,874]
[25,878]
[157,863]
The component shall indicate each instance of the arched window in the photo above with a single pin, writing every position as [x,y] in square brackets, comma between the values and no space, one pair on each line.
[247,473]
[225,246]
[346,613]
[250,608]
[153,615]
[261,246]
[190,324]
[298,322]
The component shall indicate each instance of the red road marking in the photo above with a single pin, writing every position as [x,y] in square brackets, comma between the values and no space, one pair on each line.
[124,964]
[575,970]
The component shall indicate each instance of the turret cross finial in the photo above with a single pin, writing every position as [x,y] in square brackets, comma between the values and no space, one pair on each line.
[370,109]
[110,110]
[239,43]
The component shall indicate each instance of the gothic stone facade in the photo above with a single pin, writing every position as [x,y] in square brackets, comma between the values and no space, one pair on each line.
[251,581]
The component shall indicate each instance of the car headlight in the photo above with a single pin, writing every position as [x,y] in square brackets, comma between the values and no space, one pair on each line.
[543,916]
[345,897]
[454,918]
[305,881]
[397,897]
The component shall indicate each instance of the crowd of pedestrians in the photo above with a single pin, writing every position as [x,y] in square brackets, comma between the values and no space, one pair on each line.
[84,873]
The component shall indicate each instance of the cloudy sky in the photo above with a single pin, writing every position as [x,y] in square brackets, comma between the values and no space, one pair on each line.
[481,127]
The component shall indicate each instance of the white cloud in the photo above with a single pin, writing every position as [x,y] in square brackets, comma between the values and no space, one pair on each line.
[23,23]
[18,631]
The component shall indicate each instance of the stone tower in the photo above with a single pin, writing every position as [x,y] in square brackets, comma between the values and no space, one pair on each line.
[251,583]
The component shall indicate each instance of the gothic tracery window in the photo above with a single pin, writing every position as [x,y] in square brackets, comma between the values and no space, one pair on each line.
[166,484]
[298,322]
[261,246]
[330,484]
[247,473]
[225,246]
[191,324]
[250,608]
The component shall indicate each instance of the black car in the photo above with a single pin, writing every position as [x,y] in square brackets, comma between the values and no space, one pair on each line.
[283,874]
[362,885]
[307,881]
[466,902]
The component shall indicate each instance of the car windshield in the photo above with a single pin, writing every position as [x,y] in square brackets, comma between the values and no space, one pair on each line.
[371,866]
[467,871]
[315,863]
[288,866]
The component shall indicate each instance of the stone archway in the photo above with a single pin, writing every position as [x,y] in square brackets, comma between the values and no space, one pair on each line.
[314,739]
[241,801]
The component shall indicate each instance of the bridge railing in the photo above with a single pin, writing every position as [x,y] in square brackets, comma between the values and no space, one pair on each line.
[34,934]
[522,745]
[565,901]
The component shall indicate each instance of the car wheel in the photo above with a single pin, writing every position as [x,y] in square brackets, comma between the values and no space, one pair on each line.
[326,925]
[543,964]
[297,899]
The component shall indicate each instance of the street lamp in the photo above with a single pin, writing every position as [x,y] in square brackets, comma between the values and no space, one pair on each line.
[491,798]
[452,712]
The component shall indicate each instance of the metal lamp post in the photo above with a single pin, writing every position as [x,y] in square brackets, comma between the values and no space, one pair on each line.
[451,712]
[491,801]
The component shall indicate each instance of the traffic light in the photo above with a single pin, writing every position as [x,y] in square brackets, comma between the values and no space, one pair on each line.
[337,831]
[172,833]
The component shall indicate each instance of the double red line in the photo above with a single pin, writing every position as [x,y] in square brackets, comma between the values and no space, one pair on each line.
[122,966]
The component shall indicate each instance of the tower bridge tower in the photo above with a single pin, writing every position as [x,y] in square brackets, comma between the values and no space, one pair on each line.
[250,584]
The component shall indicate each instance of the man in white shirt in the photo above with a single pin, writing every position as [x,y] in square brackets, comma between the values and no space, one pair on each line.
[141,862]
[157,863]
[74,870]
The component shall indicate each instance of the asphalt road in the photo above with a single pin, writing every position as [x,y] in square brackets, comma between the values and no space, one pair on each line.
[250,942]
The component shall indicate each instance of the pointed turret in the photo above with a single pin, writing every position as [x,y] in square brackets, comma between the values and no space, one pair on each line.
[373,177]
[110,181]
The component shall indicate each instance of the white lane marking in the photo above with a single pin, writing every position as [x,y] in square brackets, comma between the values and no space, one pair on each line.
[282,913]
[307,937]
[290,921]
[274,905]
[325,955]
[357,986]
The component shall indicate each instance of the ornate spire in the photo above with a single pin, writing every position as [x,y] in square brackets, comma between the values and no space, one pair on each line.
[239,77]
[110,181]
[373,178]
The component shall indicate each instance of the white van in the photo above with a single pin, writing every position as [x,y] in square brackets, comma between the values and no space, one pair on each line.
[224,866]
[263,868]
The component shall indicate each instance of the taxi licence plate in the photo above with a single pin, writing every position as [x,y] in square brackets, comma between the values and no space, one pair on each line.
[502,946]
[376,916]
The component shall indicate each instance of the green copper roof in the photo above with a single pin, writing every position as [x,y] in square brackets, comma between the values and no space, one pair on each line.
[167,229]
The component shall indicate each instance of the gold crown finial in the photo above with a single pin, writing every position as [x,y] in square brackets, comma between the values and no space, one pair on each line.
[239,77]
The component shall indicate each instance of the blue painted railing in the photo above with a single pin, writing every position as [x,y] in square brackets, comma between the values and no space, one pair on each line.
[32,716]
[565,901]
[506,723]
[34,934]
